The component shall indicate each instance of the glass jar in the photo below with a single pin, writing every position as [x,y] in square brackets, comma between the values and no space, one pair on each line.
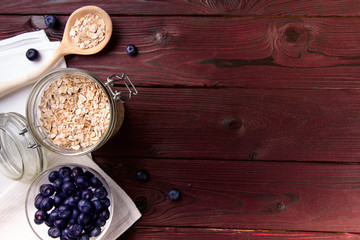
[114,98]
[21,157]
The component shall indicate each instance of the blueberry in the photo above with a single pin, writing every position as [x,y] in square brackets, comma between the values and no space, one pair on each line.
[75,230]
[87,194]
[82,182]
[32,54]
[47,190]
[97,205]
[64,234]
[73,200]
[53,215]
[64,171]
[58,184]
[68,179]
[89,227]
[46,204]
[38,200]
[64,211]
[131,50]
[95,182]
[100,192]
[54,232]
[60,223]
[77,171]
[83,219]
[75,214]
[95,232]
[174,194]
[40,216]
[58,200]
[88,174]
[105,202]
[142,175]
[69,188]
[48,222]
[53,175]
[100,222]
[50,21]
[85,206]
[104,215]
[84,237]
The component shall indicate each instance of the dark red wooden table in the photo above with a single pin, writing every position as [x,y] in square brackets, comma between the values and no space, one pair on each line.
[250,108]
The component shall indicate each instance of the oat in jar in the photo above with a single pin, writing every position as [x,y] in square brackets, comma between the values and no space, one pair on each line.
[75,111]
[71,111]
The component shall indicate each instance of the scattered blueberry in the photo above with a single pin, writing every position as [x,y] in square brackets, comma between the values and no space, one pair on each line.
[74,205]
[50,21]
[32,54]
[142,175]
[174,194]
[131,50]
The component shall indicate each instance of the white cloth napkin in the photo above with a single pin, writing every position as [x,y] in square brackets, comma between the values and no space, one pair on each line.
[13,223]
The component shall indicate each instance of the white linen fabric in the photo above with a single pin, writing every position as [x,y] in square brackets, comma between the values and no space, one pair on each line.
[13,222]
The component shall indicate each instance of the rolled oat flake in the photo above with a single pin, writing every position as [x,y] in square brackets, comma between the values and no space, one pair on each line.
[88,31]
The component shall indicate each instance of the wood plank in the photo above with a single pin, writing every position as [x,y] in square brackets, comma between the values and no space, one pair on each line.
[194,7]
[301,125]
[242,195]
[234,52]
[170,233]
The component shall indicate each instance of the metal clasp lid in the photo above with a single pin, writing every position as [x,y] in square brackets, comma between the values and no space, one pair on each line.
[120,96]
[30,145]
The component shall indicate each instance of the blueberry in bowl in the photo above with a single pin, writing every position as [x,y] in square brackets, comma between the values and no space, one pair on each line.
[69,202]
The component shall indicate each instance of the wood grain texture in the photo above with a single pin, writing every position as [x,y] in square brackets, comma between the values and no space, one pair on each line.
[222,52]
[242,195]
[194,7]
[234,123]
[170,233]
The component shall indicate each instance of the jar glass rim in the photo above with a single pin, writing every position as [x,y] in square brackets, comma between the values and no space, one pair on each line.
[20,156]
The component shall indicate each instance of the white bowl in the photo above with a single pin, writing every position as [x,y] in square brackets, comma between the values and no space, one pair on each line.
[41,230]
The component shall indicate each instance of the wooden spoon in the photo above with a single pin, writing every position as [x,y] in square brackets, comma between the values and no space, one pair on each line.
[66,47]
